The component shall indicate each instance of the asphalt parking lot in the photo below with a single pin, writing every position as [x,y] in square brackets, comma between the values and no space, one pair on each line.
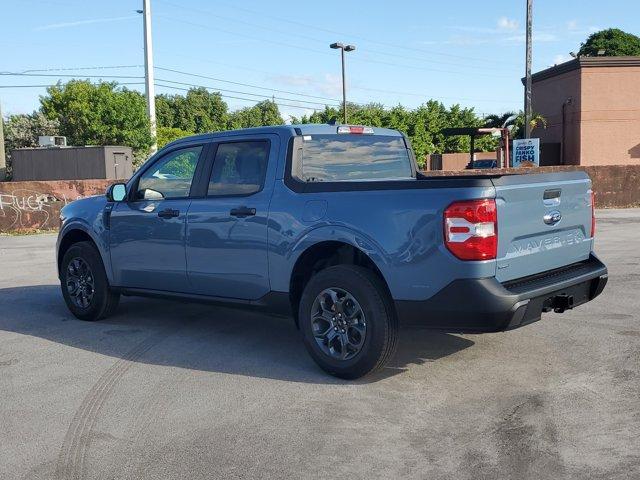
[172,390]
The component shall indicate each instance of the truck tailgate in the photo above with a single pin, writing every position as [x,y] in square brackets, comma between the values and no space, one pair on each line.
[544,222]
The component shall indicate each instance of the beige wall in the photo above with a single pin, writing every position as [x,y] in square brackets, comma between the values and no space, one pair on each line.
[548,97]
[610,116]
[454,161]
[602,123]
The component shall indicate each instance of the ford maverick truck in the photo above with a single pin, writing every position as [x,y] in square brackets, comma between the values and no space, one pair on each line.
[334,226]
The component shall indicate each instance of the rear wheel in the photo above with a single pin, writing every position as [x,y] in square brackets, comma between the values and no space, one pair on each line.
[84,283]
[347,321]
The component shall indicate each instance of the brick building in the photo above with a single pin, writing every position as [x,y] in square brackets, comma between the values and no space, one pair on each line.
[592,105]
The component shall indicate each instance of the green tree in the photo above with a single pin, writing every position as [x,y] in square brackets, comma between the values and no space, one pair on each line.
[23,130]
[499,120]
[99,114]
[261,114]
[169,134]
[515,122]
[199,111]
[613,41]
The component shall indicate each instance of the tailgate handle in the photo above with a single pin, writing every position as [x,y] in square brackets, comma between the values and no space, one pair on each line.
[551,197]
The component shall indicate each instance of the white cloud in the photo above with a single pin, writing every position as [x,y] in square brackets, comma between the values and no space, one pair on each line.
[78,23]
[539,37]
[505,23]
[327,84]
[331,84]
[294,80]
[574,28]
[561,58]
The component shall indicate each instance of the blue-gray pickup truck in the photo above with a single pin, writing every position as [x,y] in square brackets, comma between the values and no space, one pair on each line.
[334,226]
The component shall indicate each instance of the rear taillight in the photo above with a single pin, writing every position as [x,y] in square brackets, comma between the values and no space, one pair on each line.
[593,214]
[471,229]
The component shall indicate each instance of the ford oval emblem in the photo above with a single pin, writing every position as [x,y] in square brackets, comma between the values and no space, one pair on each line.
[553,217]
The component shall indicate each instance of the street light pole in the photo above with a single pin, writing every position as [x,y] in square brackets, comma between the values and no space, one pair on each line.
[343,48]
[344,90]
[527,89]
[148,72]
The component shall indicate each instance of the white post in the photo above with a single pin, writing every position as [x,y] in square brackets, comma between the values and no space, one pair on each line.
[148,71]
[527,88]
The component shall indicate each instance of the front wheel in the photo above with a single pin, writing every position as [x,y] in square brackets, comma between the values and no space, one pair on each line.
[347,321]
[84,283]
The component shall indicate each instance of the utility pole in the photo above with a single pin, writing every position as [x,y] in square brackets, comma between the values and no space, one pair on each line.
[343,48]
[527,88]
[148,71]
[3,161]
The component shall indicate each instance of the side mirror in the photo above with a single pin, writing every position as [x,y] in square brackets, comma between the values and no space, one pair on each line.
[116,192]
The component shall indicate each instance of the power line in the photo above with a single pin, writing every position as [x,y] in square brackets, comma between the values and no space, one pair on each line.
[321,82]
[50,85]
[334,102]
[245,93]
[79,68]
[322,41]
[422,95]
[322,52]
[13,74]
[309,80]
[243,84]
[391,45]
[237,98]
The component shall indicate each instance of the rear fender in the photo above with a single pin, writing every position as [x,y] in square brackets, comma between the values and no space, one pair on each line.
[333,233]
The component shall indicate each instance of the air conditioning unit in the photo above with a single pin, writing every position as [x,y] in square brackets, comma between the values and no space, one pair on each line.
[52,141]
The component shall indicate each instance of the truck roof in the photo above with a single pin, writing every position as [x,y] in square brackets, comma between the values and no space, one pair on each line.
[305,129]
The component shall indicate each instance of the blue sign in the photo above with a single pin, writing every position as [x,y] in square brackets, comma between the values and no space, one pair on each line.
[526,152]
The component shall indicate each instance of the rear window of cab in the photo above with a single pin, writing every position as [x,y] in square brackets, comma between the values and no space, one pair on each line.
[339,158]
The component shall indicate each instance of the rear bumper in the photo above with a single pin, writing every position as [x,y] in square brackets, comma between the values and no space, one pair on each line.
[486,305]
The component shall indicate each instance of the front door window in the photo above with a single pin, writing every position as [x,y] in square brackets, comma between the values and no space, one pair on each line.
[171,176]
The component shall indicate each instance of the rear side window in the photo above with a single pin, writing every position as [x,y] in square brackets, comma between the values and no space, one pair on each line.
[239,168]
[336,158]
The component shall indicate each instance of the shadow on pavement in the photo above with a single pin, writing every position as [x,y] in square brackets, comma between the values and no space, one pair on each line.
[198,337]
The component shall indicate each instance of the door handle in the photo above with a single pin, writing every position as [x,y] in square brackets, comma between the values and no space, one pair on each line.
[242,212]
[168,213]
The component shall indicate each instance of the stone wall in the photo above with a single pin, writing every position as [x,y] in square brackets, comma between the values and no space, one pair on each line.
[615,186]
[36,205]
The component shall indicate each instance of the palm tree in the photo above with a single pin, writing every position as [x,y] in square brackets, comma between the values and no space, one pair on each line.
[515,122]
[498,121]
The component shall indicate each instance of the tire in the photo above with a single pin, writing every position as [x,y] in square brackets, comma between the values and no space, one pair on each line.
[82,265]
[355,288]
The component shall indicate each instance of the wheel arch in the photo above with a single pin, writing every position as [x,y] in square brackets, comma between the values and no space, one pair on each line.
[324,254]
[75,234]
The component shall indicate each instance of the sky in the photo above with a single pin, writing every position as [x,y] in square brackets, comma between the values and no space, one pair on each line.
[463,52]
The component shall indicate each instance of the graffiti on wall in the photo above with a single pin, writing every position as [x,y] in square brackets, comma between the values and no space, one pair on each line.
[31,209]
[35,205]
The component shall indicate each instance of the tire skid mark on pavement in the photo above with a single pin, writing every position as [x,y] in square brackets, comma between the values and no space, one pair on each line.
[71,463]
[153,408]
